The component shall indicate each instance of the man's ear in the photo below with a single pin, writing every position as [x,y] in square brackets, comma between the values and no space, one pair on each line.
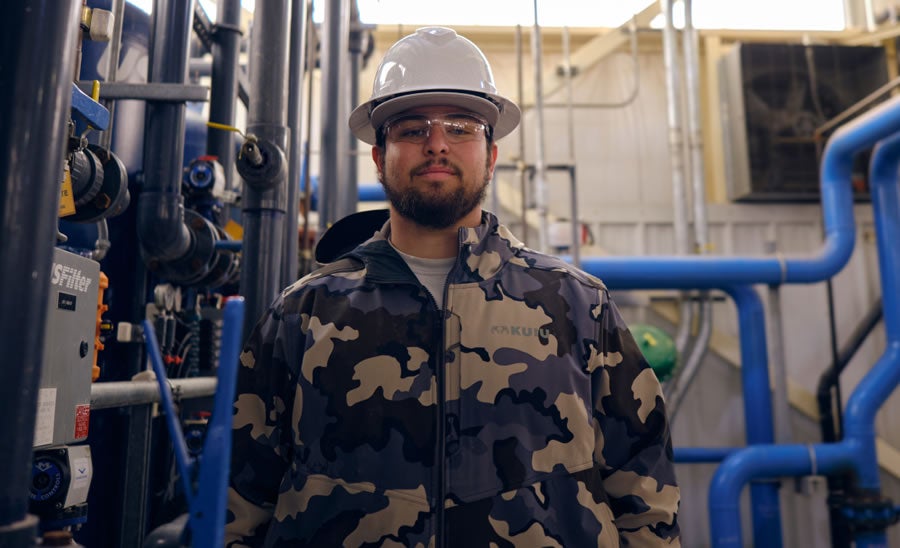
[378,158]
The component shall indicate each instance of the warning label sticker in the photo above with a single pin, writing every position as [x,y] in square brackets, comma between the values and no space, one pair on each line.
[46,414]
[82,421]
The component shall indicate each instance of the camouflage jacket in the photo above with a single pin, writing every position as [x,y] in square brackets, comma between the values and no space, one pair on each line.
[521,415]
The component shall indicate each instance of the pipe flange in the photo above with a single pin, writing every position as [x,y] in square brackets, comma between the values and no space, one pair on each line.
[112,198]
[86,171]
[225,265]
[261,164]
[191,268]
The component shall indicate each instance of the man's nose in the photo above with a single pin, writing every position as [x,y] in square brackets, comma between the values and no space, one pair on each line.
[436,142]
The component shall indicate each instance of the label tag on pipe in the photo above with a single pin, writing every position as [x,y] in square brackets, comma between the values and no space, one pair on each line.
[66,199]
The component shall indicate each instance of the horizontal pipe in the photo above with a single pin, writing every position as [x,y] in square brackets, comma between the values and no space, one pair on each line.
[107,395]
[674,272]
[695,455]
[857,451]
[767,461]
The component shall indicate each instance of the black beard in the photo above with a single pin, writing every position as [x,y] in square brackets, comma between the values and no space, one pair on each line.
[436,212]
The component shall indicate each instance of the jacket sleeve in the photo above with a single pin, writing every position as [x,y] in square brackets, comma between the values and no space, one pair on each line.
[633,447]
[261,439]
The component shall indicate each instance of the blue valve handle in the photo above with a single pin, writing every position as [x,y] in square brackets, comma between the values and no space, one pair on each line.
[87,112]
[208,505]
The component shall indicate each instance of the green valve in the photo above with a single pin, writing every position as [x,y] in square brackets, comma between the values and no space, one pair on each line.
[658,349]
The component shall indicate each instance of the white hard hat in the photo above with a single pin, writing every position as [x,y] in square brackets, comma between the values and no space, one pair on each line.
[433,67]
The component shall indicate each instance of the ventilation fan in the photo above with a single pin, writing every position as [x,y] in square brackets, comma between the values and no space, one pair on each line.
[774,97]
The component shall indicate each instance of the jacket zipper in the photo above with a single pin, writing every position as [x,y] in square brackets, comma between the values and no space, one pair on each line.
[438,329]
[441,433]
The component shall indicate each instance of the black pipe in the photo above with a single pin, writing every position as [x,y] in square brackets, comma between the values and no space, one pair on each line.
[332,148]
[350,188]
[224,83]
[162,234]
[37,39]
[289,266]
[265,197]
[828,397]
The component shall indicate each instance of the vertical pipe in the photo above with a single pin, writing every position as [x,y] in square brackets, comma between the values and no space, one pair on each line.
[264,208]
[37,68]
[875,387]
[160,211]
[112,67]
[570,122]
[679,196]
[523,175]
[224,84]
[289,266]
[332,62]
[757,409]
[695,131]
[350,189]
[540,169]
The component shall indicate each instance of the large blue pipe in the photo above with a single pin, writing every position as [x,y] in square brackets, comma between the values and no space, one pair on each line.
[757,408]
[857,451]
[702,272]
[696,455]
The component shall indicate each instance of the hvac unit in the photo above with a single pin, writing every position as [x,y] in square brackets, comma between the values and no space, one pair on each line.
[774,97]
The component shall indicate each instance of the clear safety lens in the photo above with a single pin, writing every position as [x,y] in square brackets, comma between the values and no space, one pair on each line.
[416,129]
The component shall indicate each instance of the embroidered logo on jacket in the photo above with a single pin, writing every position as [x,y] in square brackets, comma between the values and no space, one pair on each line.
[520,331]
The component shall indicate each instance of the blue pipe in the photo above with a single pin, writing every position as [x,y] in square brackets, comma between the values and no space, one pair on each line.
[758,416]
[182,457]
[875,387]
[368,192]
[765,461]
[706,272]
[229,245]
[857,451]
[695,455]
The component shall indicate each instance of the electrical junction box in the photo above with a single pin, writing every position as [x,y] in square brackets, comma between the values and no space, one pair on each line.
[64,397]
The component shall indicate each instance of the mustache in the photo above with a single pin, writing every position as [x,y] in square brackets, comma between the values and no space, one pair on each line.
[442,162]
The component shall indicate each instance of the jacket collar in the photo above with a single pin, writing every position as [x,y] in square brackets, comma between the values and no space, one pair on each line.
[483,251]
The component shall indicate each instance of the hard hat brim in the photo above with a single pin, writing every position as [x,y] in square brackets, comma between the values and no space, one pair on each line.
[501,114]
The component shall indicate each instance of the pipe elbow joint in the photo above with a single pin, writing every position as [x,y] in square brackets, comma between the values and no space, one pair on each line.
[261,164]
[161,230]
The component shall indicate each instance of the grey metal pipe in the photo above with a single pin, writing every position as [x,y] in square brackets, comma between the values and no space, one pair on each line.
[297,64]
[523,176]
[106,395]
[161,230]
[332,140]
[698,176]
[701,228]
[540,170]
[350,188]
[695,131]
[676,160]
[570,122]
[265,204]
[635,87]
[224,83]
[112,66]
[36,37]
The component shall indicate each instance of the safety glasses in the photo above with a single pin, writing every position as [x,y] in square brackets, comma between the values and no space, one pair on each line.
[458,128]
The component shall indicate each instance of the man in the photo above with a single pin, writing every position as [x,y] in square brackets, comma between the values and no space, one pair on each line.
[441,384]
